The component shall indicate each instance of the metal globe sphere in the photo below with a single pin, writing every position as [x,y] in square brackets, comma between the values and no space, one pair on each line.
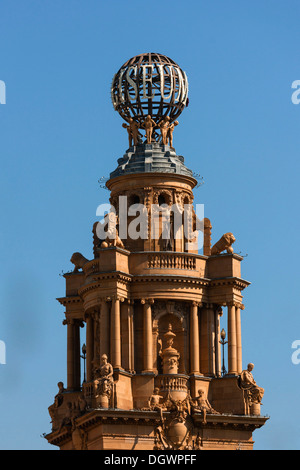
[149,84]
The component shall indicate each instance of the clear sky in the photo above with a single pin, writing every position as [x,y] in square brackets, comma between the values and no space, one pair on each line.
[59,134]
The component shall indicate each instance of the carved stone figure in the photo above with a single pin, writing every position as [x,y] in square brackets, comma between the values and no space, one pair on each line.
[82,405]
[223,244]
[175,432]
[164,127]
[68,419]
[170,133]
[149,126]
[154,403]
[133,132]
[104,382]
[200,403]
[59,398]
[112,236]
[248,383]
[58,401]
[79,261]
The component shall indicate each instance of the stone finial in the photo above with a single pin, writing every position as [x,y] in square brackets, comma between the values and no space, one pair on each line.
[170,356]
[207,237]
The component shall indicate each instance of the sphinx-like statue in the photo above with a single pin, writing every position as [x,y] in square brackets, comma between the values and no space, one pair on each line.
[225,243]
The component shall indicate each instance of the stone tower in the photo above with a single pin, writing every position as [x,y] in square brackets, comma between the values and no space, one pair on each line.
[149,304]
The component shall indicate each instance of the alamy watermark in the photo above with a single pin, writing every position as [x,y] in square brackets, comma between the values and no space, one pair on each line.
[296,353]
[296,94]
[2,352]
[2,92]
[157,221]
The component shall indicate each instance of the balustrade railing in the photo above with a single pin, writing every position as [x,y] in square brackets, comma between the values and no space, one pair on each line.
[171,261]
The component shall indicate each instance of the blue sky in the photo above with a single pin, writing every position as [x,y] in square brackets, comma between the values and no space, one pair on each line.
[59,134]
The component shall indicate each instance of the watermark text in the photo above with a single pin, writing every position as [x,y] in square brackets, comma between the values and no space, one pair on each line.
[2,92]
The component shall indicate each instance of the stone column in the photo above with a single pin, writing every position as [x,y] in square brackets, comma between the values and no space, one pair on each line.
[194,340]
[73,353]
[125,334]
[207,340]
[232,356]
[89,346]
[70,353]
[218,314]
[116,333]
[131,336]
[105,327]
[148,335]
[211,340]
[77,378]
[203,341]
[238,309]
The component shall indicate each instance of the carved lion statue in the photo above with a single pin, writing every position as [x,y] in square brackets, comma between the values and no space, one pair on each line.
[79,261]
[223,244]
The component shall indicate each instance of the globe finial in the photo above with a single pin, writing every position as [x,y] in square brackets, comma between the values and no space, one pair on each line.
[150,84]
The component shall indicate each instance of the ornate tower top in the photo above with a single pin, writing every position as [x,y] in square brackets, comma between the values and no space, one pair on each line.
[149,92]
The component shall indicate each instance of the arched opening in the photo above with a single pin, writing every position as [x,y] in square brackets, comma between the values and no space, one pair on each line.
[161,200]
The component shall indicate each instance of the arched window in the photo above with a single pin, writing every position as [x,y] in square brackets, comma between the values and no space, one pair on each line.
[161,200]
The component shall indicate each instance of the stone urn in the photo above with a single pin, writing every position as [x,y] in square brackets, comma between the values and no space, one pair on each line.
[170,356]
[177,432]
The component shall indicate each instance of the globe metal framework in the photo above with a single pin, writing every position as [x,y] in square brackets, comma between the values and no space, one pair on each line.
[150,84]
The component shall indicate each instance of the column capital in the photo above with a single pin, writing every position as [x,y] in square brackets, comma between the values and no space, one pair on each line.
[235,303]
[208,305]
[117,297]
[147,301]
[219,310]
[195,303]
[91,314]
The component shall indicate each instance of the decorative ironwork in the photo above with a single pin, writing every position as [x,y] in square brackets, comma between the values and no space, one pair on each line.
[150,85]
[102,182]
[200,180]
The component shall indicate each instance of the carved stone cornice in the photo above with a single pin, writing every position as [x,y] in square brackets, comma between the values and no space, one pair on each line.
[236,282]
[151,418]
[75,299]
[192,281]
[73,321]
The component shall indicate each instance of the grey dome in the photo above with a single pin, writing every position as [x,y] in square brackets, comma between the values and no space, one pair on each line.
[151,158]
